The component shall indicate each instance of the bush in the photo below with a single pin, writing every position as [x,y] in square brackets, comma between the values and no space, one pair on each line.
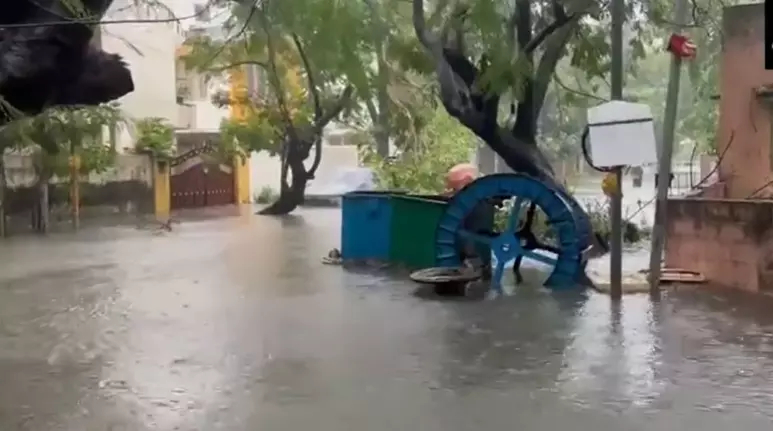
[421,163]
[154,135]
[266,195]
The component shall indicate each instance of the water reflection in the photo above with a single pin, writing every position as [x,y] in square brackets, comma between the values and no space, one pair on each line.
[514,340]
[238,326]
[614,353]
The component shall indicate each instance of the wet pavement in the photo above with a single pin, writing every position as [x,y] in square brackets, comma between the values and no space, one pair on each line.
[234,324]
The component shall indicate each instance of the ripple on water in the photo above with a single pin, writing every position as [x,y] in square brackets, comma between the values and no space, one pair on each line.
[238,326]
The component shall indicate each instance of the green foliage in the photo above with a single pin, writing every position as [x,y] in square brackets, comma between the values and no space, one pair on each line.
[422,166]
[580,84]
[266,195]
[342,38]
[359,43]
[262,129]
[61,132]
[154,136]
[93,159]
[283,103]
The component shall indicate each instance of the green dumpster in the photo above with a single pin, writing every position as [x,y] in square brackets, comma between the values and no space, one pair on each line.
[414,222]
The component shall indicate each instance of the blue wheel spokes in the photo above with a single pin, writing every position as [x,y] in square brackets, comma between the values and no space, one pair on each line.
[533,255]
[496,277]
[515,214]
[560,210]
[477,238]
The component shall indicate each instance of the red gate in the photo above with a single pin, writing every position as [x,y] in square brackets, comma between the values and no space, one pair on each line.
[202,185]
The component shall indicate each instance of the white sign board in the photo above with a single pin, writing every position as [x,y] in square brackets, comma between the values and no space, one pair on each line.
[621,134]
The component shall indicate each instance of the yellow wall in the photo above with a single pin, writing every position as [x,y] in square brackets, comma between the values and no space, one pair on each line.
[162,191]
[241,165]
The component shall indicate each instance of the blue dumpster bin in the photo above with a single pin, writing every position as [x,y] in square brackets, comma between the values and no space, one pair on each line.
[366,219]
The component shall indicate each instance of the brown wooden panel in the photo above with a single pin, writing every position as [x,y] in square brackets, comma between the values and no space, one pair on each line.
[201,186]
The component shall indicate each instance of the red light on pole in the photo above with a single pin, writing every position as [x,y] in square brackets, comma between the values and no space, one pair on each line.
[682,46]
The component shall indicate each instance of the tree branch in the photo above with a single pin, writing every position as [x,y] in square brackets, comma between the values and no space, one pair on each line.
[455,74]
[525,121]
[420,24]
[578,92]
[275,79]
[372,111]
[436,16]
[560,19]
[552,54]
[553,38]
[323,121]
[236,64]
[317,157]
[313,91]
[335,110]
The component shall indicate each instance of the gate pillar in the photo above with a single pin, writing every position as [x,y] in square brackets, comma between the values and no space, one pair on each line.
[241,171]
[161,189]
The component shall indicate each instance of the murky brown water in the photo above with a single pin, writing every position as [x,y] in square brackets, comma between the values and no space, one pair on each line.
[234,324]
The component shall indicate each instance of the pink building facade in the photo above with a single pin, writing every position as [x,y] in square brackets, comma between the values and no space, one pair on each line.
[726,233]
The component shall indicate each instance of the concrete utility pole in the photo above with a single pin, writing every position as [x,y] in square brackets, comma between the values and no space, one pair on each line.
[666,154]
[616,210]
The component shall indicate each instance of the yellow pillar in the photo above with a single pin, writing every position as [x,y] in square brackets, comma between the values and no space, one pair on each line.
[242,179]
[161,190]
[238,112]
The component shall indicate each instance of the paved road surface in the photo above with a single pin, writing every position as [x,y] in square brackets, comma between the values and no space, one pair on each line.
[234,324]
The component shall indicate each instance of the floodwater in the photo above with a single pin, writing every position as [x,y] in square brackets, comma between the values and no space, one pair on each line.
[234,324]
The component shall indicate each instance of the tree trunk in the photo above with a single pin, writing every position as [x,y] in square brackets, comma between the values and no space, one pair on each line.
[382,126]
[3,227]
[43,215]
[380,115]
[292,194]
[382,130]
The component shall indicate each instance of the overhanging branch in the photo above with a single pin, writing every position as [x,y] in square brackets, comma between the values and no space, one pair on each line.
[334,110]
[420,24]
[320,123]
[560,19]
[274,78]
[236,64]
[455,74]
[552,40]
[552,54]
[313,91]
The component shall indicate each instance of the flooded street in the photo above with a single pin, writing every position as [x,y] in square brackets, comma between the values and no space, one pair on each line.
[235,324]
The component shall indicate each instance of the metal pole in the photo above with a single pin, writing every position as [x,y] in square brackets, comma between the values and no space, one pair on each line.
[666,153]
[616,210]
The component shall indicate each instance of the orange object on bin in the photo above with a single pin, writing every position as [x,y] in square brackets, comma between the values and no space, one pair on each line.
[459,176]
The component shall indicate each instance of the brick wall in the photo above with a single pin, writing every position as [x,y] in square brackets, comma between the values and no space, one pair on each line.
[728,241]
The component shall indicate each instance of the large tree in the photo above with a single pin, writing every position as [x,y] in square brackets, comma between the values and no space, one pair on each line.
[290,43]
[53,137]
[485,52]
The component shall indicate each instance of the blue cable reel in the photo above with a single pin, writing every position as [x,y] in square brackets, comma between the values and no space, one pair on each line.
[517,241]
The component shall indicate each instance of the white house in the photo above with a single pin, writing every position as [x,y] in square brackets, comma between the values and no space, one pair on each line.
[149,51]
[199,116]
